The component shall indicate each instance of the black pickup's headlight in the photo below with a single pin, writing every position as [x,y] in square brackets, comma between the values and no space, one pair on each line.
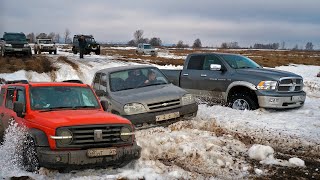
[63,137]
[267,85]
[125,134]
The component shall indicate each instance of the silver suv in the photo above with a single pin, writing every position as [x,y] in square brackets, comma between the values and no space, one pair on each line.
[143,94]
[45,45]
[146,49]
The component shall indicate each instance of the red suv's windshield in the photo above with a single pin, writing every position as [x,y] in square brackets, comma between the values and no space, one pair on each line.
[62,97]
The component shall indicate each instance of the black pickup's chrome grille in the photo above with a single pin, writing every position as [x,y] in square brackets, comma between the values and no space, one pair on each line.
[87,136]
[290,84]
[164,104]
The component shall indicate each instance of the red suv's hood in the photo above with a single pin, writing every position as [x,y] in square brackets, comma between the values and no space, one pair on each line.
[54,119]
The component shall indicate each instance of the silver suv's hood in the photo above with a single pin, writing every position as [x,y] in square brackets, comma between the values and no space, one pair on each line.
[149,94]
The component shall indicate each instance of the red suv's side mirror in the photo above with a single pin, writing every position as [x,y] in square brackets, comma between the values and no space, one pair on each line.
[104,105]
[18,107]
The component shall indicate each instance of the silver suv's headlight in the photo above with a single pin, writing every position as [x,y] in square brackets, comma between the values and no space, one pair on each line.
[8,45]
[267,85]
[187,99]
[26,45]
[134,108]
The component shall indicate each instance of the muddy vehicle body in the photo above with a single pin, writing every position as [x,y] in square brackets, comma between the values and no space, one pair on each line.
[67,127]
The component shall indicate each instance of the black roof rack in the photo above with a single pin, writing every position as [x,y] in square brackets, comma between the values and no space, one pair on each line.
[17,82]
[73,81]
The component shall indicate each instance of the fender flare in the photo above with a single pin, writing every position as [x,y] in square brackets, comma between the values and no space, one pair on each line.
[239,83]
[39,136]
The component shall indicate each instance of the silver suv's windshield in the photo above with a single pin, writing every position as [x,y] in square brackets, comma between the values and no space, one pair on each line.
[147,46]
[45,41]
[239,62]
[136,78]
[62,97]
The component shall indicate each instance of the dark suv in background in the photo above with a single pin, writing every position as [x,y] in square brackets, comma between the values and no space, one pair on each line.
[14,43]
[91,46]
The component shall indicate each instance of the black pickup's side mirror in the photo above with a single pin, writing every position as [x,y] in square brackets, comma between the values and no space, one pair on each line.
[101,93]
[104,105]
[215,67]
[18,107]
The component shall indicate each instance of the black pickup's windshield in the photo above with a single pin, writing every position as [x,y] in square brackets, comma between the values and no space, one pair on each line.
[136,78]
[239,62]
[90,40]
[62,97]
[14,37]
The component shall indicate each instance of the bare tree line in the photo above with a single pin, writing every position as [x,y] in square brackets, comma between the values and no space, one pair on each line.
[52,35]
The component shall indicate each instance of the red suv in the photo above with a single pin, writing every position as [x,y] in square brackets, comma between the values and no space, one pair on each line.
[67,126]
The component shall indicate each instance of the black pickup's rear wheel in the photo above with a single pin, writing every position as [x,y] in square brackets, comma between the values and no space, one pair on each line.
[242,101]
[29,155]
[97,52]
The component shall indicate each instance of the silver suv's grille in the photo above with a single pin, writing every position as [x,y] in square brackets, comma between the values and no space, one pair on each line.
[164,104]
[95,136]
[290,84]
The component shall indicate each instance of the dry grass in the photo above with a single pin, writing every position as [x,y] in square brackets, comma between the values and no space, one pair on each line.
[264,58]
[130,55]
[40,64]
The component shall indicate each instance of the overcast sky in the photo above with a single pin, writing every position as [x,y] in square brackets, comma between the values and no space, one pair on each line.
[213,21]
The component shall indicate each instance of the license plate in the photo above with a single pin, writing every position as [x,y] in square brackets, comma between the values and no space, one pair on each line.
[296,98]
[101,152]
[17,49]
[167,116]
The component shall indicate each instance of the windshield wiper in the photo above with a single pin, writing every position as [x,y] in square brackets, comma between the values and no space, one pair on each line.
[245,67]
[81,107]
[56,108]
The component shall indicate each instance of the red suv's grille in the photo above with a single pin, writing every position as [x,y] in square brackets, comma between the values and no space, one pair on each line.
[95,136]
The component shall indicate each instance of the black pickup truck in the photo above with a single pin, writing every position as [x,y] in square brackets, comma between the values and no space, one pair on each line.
[238,81]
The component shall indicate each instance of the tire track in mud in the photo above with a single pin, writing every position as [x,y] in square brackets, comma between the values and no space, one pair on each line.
[311,171]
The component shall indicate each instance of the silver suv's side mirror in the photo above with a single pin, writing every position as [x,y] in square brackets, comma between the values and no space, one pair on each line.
[215,67]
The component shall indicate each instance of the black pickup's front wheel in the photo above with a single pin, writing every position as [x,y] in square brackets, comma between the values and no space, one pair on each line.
[242,101]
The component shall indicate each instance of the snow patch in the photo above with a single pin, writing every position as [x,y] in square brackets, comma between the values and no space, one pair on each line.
[260,152]
[297,162]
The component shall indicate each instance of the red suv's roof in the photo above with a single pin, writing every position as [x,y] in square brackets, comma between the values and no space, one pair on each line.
[39,84]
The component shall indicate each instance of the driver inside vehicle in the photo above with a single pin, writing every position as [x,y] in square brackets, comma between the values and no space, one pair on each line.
[135,77]
[152,78]
[70,100]
[38,100]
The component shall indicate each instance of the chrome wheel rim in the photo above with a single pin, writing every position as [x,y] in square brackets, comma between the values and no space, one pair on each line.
[240,104]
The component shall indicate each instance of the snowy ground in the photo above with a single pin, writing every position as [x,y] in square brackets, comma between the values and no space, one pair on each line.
[215,144]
